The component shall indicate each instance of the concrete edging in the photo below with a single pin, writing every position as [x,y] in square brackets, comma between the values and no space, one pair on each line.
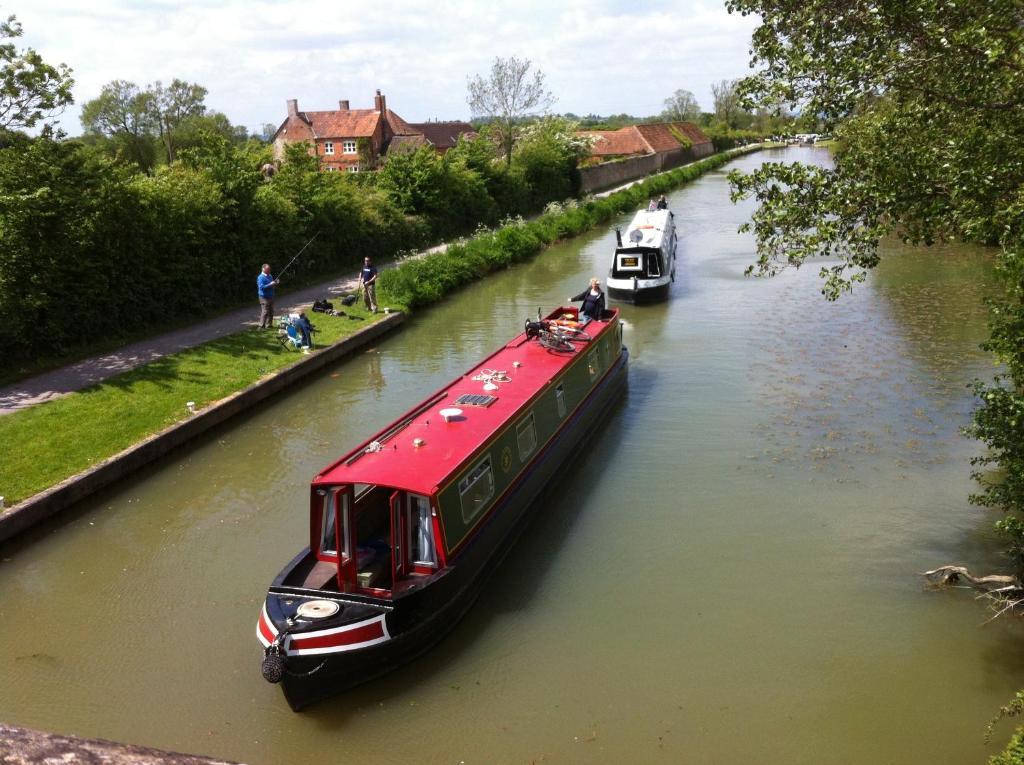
[57,498]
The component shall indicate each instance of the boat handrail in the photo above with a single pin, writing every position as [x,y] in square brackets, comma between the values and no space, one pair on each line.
[398,426]
[338,597]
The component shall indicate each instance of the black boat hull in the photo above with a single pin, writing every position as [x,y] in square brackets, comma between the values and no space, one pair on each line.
[648,295]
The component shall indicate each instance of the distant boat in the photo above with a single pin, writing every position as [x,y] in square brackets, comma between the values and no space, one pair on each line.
[644,267]
[404,529]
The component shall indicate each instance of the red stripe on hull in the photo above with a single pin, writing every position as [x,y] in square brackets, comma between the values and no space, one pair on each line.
[372,631]
[266,630]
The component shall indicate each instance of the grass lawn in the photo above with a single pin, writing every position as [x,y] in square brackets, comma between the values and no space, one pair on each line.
[45,444]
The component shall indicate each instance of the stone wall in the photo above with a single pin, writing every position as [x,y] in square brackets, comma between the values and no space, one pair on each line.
[22,746]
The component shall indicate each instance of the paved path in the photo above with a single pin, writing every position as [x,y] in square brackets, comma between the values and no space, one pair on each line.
[60,382]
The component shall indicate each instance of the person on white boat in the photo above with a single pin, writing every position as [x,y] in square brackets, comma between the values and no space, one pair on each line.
[593,301]
[662,203]
[652,205]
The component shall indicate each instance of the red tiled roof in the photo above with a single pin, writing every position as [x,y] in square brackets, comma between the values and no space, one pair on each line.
[354,123]
[644,139]
[691,131]
[658,137]
[617,142]
[444,135]
[398,125]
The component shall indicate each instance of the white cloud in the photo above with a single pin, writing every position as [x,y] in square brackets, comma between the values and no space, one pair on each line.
[599,56]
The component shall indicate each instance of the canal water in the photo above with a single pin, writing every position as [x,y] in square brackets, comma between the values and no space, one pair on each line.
[730,574]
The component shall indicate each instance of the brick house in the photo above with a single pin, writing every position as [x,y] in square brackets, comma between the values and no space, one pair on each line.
[337,136]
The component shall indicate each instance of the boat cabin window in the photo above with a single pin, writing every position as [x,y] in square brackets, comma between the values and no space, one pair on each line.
[560,400]
[653,264]
[421,532]
[476,488]
[526,435]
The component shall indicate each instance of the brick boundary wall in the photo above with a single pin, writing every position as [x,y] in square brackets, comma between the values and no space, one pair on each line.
[608,174]
[72,490]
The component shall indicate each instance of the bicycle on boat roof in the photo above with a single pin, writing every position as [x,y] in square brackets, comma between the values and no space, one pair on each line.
[555,336]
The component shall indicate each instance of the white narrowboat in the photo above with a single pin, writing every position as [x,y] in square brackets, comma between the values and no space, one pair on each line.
[644,266]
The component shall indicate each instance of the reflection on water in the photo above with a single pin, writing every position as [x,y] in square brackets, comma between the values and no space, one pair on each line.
[730,575]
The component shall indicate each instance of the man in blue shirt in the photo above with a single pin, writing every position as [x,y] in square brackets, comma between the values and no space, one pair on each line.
[368,280]
[265,284]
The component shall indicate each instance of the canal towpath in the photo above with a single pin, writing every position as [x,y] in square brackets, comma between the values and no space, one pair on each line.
[79,375]
[48,386]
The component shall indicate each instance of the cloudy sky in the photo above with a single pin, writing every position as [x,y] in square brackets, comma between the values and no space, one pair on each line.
[599,56]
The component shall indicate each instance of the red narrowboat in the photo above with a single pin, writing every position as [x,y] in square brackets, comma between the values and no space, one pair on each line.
[405,528]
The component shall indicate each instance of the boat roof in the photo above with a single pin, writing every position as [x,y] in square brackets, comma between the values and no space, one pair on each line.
[391,458]
[652,225]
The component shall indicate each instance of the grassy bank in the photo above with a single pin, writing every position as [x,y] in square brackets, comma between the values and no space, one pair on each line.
[48,443]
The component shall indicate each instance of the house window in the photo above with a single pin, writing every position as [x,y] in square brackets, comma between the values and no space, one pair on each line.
[353,168]
[348,147]
[328,147]
[526,435]
[330,169]
[476,489]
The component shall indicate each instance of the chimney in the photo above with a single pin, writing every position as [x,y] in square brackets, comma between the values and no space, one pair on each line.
[343,105]
[293,107]
[379,103]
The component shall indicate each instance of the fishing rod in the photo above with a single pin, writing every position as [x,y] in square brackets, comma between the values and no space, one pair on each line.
[297,254]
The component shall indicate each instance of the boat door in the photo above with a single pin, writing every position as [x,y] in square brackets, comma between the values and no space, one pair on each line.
[346,542]
[397,537]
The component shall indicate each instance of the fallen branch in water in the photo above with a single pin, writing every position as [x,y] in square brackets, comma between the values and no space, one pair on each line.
[993,583]
[1003,592]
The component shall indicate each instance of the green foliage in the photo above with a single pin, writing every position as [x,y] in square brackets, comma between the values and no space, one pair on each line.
[123,114]
[681,106]
[31,91]
[1013,754]
[444,190]
[131,123]
[683,139]
[548,154]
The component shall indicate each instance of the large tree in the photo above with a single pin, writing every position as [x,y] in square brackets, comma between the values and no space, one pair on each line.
[31,91]
[509,94]
[728,104]
[681,106]
[172,106]
[125,114]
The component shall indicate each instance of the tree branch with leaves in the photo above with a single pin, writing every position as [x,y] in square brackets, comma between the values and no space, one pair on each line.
[31,91]
[511,93]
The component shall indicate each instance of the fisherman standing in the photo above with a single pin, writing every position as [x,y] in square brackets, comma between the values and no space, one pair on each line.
[368,281]
[265,284]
